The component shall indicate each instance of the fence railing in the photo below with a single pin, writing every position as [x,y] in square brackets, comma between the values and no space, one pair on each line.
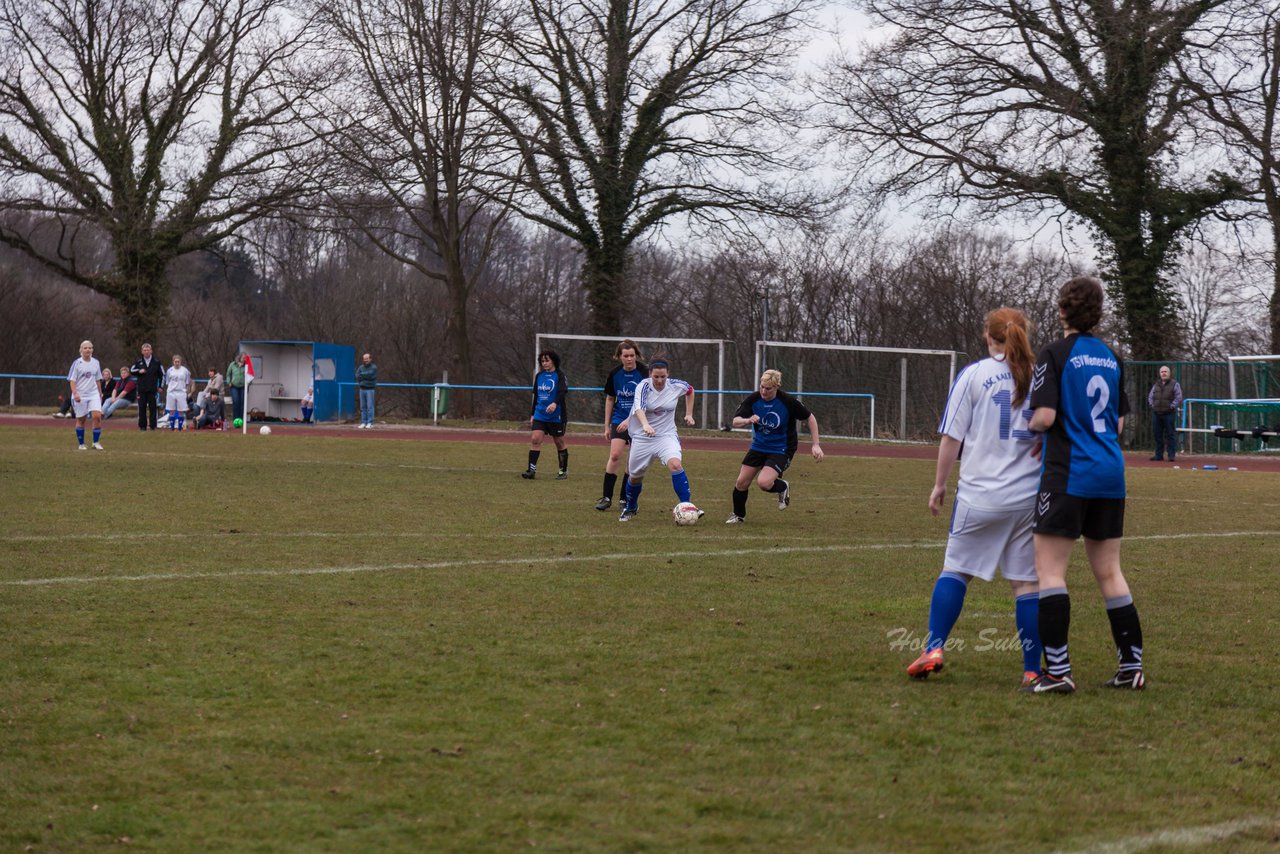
[440,394]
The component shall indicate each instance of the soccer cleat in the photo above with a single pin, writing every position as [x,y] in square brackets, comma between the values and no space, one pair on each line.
[929,661]
[604,503]
[97,446]
[528,474]
[1029,677]
[562,475]
[735,519]
[1050,684]
[627,515]
[1131,679]
[784,498]
[701,513]
[83,448]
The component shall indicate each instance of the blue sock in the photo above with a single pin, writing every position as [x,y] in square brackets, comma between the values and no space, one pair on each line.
[680,483]
[97,434]
[182,420]
[945,607]
[633,494]
[1026,614]
[80,435]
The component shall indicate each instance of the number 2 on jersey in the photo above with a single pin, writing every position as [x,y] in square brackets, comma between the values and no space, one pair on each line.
[1004,400]
[1099,385]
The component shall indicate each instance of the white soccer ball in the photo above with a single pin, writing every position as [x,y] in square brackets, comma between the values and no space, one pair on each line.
[686,513]
[264,430]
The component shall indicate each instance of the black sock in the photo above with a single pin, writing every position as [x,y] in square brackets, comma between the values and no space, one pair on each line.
[564,460]
[740,502]
[1127,633]
[533,460]
[1055,621]
[779,486]
[609,481]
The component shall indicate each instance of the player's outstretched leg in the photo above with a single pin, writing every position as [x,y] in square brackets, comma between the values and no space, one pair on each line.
[944,609]
[783,490]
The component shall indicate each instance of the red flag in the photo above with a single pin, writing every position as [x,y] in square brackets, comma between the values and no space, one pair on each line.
[248,369]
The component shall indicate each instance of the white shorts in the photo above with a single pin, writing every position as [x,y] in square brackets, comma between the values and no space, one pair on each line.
[175,400]
[981,540]
[644,449]
[86,404]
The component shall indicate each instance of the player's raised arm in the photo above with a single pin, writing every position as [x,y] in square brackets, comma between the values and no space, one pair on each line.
[815,446]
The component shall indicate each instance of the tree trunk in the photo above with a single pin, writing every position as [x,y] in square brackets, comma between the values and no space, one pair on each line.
[604,278]
[458,341]
[141,297]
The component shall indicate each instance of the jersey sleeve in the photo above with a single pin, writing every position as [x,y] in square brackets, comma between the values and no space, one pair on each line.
[611,383]
[1045,379]
[958,414]
[744,410]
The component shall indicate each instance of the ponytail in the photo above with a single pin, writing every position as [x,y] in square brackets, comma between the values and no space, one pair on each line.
[1008,328]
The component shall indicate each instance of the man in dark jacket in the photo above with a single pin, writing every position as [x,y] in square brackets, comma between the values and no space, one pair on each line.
[1164,399]
[149,373]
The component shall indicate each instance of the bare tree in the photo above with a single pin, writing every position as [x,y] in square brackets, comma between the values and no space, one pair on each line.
[1061,105]
[1240,90]
[629,113]
[1220,303]
[164,125]
[408,134]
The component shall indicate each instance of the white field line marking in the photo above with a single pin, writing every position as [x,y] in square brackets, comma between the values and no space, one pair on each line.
[456,564]
[378,535]
[1182,837]
[545,561]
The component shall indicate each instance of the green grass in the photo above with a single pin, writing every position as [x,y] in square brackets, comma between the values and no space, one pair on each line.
[308,643]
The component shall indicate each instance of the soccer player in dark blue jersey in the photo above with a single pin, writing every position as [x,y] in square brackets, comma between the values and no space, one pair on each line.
[619,394]
[1077,392]
[771,414]
[549,416]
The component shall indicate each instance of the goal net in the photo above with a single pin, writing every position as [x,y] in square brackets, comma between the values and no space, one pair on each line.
[709,364]
[907,387]
[1253,405]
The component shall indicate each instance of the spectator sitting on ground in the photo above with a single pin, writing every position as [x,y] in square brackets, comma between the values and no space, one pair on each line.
[212,414]
[126,392]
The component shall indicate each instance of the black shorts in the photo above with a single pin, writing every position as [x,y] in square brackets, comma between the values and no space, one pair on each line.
[1063,515]
[759,459]
[550,428]
[615,433]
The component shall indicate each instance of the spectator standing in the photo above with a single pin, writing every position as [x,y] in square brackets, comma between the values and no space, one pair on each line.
[85,378]
[235,383]
[1164,399]
[126,391]
[367,382]
[149,374]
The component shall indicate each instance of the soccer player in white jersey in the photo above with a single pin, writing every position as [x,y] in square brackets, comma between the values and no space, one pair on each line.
[85,377]
[177,383]
[652,427]
[987,417]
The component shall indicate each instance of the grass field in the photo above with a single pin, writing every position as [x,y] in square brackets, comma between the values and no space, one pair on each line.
[307,643]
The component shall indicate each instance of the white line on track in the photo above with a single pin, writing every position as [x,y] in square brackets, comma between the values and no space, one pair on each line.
[1182,837]
[545,561]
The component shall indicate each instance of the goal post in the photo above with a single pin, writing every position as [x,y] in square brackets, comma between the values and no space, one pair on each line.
[910,385]
[1253,377]
[707,363]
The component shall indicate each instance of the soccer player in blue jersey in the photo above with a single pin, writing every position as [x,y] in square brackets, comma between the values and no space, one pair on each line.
[549,416]
[654,436]
[619,393]
[771,414]
[991,516]
[1080,405]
